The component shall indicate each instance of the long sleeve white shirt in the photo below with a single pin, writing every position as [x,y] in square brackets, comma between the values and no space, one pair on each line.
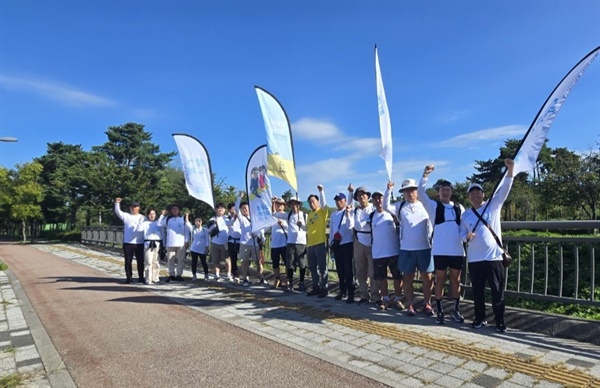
[152,231]
[200,239]
[385,238]
[133,232]
[296,234]
[176,231]
[483,246]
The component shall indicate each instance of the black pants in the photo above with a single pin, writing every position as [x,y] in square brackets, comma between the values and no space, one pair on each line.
[202,257]
[233,247]
[129,250]
[345,268]
[493,273]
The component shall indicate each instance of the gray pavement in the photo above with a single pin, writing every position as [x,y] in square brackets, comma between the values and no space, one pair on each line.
[387,347]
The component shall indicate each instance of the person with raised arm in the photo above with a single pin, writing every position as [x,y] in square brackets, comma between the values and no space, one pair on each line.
[133,239]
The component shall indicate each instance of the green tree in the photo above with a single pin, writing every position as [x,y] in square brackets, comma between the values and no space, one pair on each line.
[133,169]
[27,195]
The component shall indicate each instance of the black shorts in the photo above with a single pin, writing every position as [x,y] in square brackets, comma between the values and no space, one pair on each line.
[442,263]
[277,256]
[380,268]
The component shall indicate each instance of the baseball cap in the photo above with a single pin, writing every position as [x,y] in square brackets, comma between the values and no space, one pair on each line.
[339,196]
[473,186]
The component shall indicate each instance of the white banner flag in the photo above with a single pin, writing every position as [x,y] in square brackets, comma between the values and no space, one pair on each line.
[280,149]
[385,126]
[258,188]
[538,131]
[196,167]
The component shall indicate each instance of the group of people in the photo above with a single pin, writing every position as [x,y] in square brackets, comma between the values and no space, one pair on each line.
[370,241]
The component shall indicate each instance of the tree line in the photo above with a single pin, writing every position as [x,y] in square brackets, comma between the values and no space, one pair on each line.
[71,187]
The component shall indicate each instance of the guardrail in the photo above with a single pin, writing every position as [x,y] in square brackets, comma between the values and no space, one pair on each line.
[555,269]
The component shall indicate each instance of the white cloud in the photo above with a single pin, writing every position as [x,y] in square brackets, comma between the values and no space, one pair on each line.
[316,130]
[483,136]
[453,116]
[64,94]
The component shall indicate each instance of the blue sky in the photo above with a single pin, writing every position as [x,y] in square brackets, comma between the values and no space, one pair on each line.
[460,78]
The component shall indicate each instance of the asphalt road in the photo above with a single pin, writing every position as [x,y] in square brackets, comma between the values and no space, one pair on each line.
[115,335]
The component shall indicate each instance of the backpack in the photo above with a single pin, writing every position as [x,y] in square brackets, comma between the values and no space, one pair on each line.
[440,213]
[290,215]
[373,215]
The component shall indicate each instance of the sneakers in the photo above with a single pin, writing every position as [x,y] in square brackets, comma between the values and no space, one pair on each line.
[230,278]
[219,279]
[246,283]
[383,304]
[363,301]
[194,278]
[440,320]
[339,296]
[410,311]
[263,281]
[500,326]
[350,299]
[457,316]
[428,310]
[313,292]
[323,293]
[205,277]
[289,289]
[478,324]
[302,287]
[396,303]
[178,278]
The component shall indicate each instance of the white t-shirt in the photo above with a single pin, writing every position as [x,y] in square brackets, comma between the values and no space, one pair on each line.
[200,239]
[415,228]
[221,238]
[385,238]
[362,224]
[177,233]
[278,233]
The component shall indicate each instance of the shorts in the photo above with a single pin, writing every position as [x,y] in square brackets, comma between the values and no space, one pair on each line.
[442,262]
[380,268]
[218,254]
[295,256]
[411,260]
[248,252]
[277,256]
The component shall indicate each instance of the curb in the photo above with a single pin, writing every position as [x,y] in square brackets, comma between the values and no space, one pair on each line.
[56,372]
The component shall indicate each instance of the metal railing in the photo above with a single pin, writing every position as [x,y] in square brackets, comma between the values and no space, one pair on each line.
[555,269]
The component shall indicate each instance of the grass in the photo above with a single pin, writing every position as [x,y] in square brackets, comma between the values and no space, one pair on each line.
[12,380]
[10,349]
[3,267]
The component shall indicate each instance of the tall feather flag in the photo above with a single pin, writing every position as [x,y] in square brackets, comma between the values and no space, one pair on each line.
[280,149]
[535,137]
[533,141]
[385,126]
[258,188]
[196,167]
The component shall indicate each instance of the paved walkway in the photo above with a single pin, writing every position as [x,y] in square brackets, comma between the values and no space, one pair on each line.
[388,347]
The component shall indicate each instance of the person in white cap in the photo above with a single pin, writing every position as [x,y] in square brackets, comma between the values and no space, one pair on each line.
[363,255]
[340,241]
[447,246]
[384,246]
[415,250]
[133,239]
[480,226]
